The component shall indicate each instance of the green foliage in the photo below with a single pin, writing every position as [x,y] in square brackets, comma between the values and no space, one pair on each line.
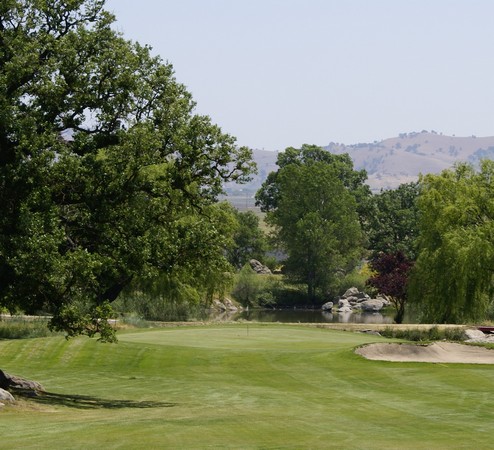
[80,318]
[356,278]
[268,196]
[249,241]
[290,295]
[310,201]
[252,289]
[393,224]
[138,306]
[106,173]
[425,334]
[452,280]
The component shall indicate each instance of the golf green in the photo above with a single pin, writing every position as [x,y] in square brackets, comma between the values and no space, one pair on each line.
[240,386]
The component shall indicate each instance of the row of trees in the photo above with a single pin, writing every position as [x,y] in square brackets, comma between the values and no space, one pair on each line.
[109,182]
[430,242]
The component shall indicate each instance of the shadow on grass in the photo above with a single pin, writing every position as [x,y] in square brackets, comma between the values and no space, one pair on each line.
[89,402]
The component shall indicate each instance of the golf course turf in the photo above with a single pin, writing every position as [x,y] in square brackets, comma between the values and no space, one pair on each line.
[243,386]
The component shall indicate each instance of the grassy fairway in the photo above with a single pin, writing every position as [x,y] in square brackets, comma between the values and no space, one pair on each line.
[239,386]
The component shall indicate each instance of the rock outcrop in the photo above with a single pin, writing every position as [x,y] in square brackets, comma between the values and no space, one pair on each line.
[372,305]
[328,306]
[224,305]
[14,383]
[259,267]
[355,300]
[20,383]
[478,337]
[6,396]
[4,380]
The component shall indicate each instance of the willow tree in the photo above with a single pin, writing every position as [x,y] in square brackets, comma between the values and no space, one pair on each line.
[453,276]
[102,163]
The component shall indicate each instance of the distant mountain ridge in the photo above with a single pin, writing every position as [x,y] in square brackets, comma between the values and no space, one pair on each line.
[401,159]
[392,161]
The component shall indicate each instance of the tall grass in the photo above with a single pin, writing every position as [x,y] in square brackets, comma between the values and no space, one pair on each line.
[23,328]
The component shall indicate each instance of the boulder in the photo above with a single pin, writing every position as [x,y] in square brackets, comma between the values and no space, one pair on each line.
[343,303]
[24,384]
[373,305]
[352,292]
[259,267]
[352,300]
[328,306]
[229,305]
[6,396]
[19,383]
[224,305]
[344,309]
[218,305]
[477,336]
[4,380]
[384,299]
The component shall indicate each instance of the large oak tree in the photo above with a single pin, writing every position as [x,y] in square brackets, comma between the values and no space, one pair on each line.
[102,164]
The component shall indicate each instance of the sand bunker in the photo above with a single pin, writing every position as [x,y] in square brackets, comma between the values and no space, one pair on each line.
[438,352]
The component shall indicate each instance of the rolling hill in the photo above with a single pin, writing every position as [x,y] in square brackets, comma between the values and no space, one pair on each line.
[389,162]
[401,159]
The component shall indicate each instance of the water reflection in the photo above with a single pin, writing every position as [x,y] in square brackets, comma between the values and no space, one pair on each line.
[305,316]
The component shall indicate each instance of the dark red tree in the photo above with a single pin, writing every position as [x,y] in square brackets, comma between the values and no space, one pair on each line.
[391,279]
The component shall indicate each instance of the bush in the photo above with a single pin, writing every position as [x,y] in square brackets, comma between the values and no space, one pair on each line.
[140,305]
[425,334]
[166,299]
[356,278]
[248,286]
[252,289]
[290,295]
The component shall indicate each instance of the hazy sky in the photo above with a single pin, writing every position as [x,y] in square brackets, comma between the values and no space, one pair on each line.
[279,73]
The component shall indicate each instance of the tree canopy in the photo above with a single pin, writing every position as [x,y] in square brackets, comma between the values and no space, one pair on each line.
[391,271]
[249,241]
[453,276]
[311,203]
[106,173]
[354,180]
[393,223]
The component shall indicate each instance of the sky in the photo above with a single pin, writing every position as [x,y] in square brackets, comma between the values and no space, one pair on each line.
[280,73]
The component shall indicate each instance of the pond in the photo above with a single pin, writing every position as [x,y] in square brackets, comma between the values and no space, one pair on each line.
[314,316]
[307,316]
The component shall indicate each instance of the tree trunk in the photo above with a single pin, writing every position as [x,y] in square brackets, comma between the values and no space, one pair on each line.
[400,311]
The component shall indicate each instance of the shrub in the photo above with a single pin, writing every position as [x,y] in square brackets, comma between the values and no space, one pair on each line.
[248,286]
[356,278]
[425,334]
